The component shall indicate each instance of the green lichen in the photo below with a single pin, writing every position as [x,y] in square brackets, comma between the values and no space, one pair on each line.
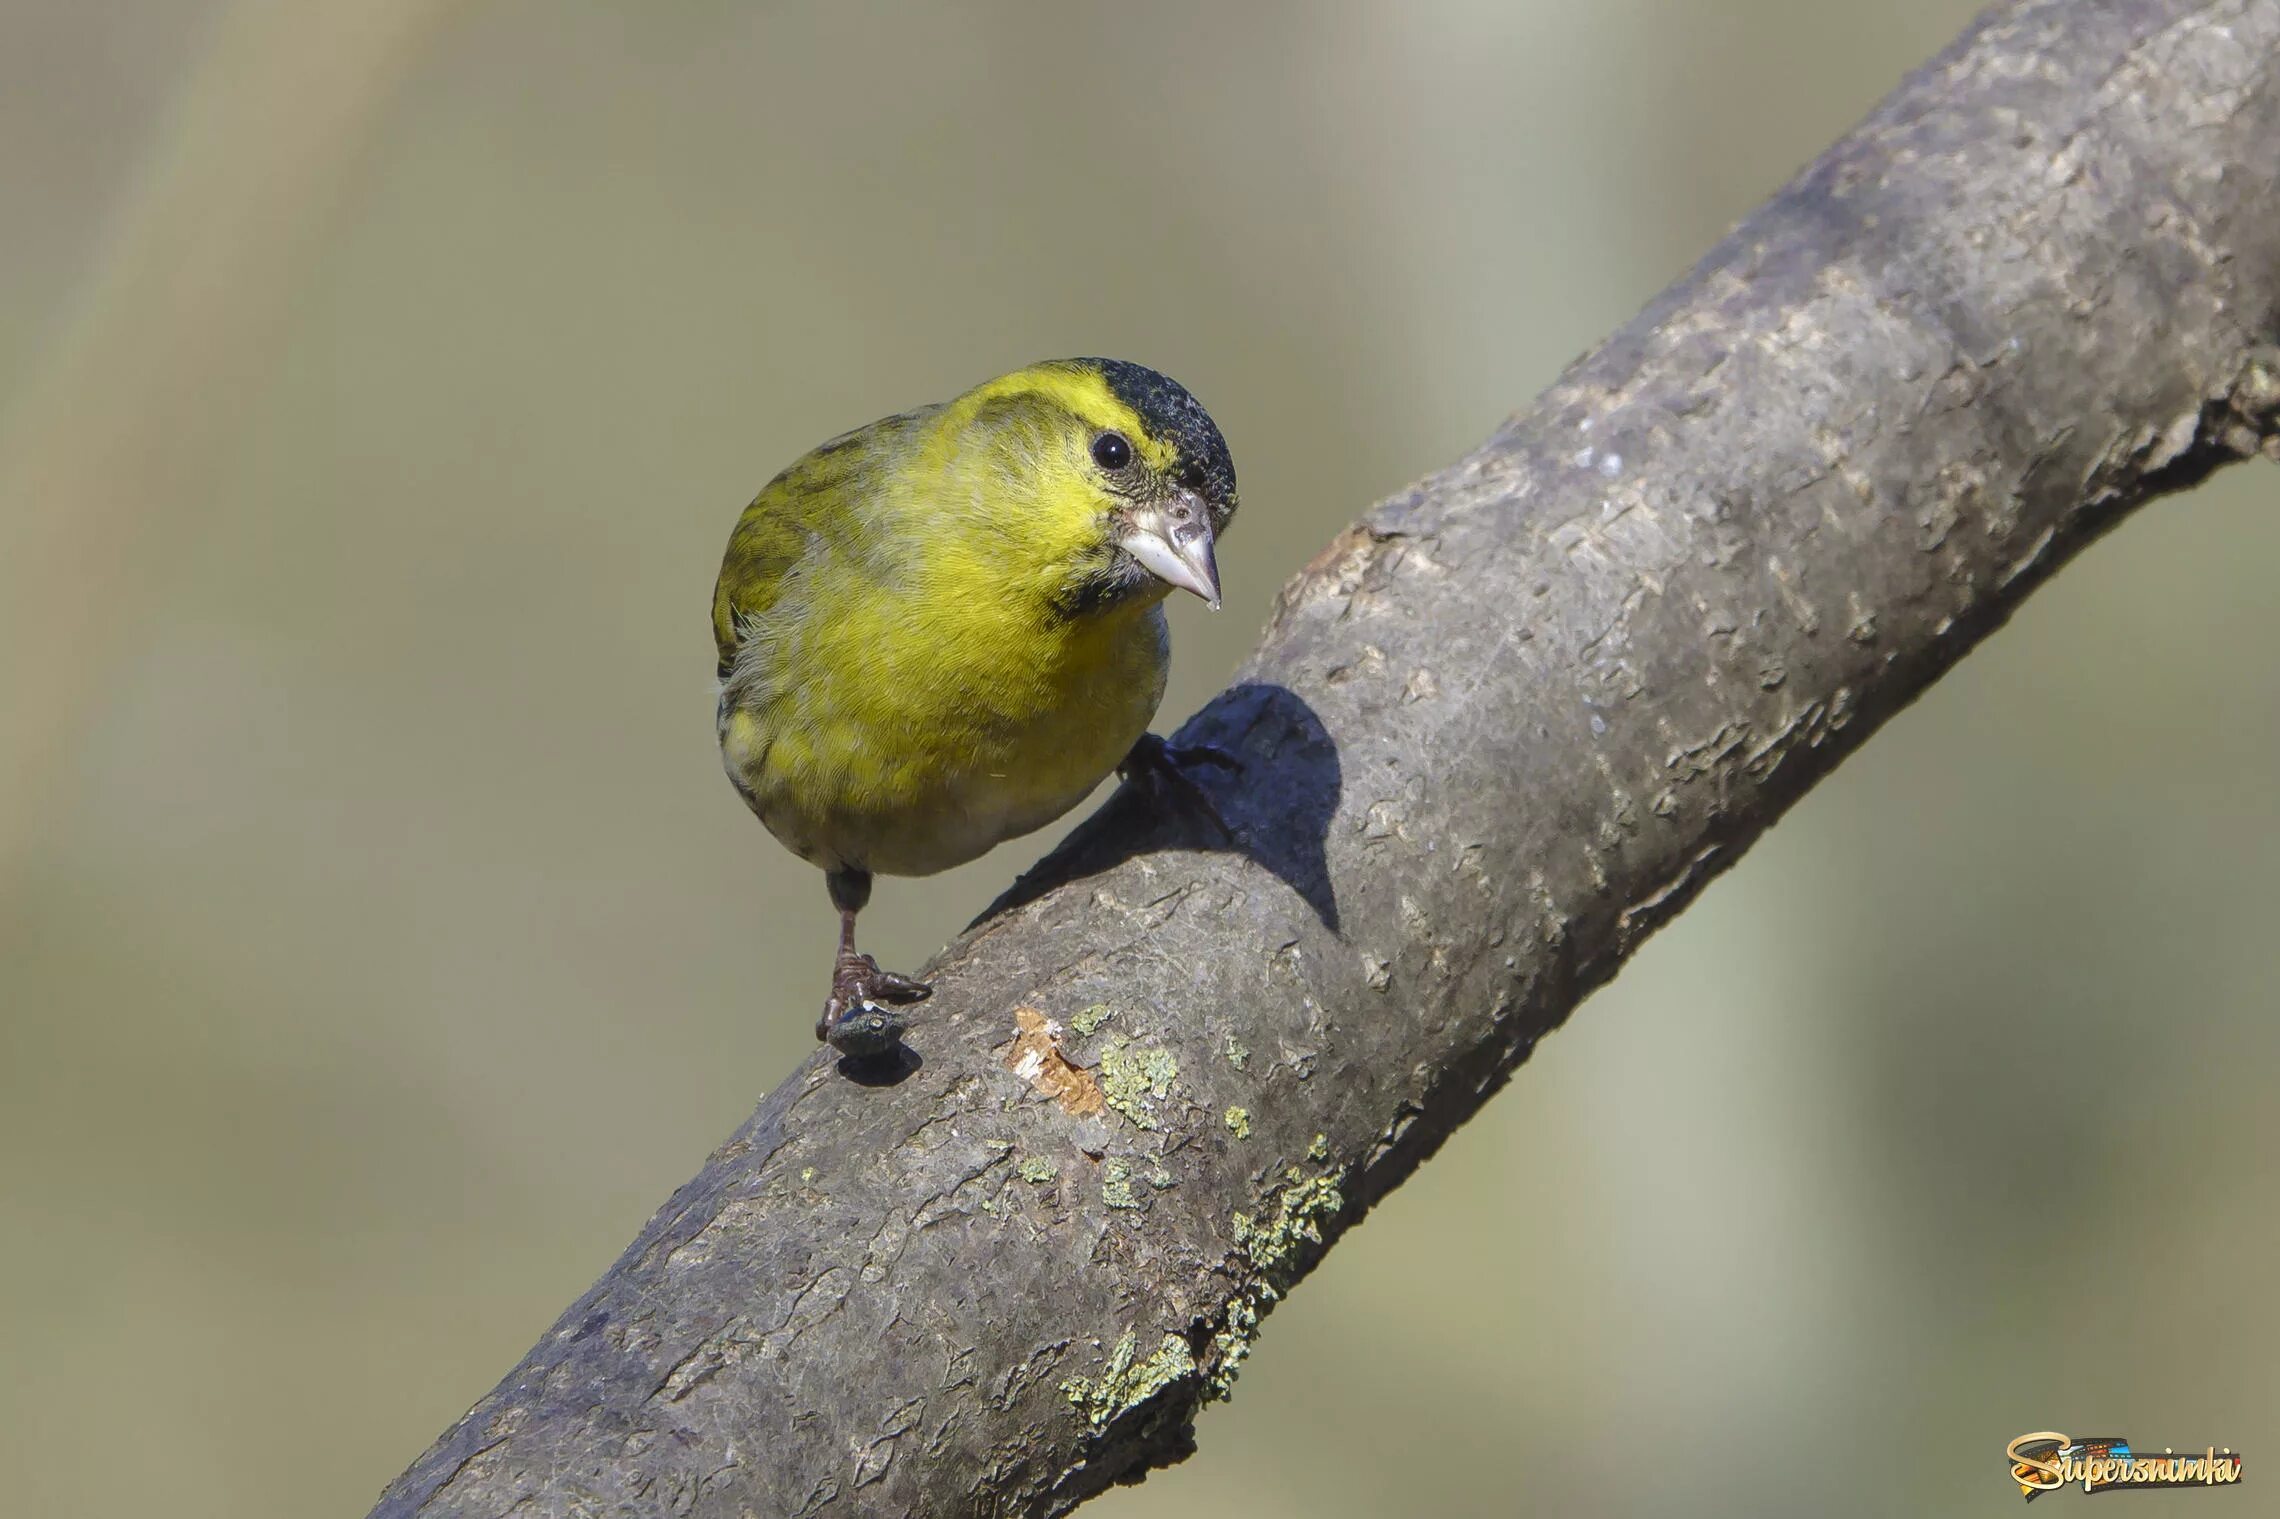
[1116,1185]
[1229,1348]
[1319,1150]
[1089,1021]
[1301,1207]
[1038,1171]
[1239,1122]
[1125,1384]
[1131,1074]
[1237,1056]
[1161,1179]
[1273,1246]
[807,1176]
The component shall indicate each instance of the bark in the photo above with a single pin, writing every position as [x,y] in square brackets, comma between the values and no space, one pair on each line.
[1494,735]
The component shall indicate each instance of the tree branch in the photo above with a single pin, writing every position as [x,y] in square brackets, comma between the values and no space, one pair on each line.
[1494,736]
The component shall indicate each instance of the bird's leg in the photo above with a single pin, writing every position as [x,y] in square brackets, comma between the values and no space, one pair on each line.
[859,1017]
[856,978]
[1162,769]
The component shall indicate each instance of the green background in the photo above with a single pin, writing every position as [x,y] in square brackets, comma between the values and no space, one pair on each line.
[382,943]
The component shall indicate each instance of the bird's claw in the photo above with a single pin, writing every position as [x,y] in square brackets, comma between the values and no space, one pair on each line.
[861,1018]
[1161,768]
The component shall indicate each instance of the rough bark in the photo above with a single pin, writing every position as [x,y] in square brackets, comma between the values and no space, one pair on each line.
[1494,735]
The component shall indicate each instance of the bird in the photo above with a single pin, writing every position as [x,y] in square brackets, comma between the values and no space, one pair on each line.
[944,629]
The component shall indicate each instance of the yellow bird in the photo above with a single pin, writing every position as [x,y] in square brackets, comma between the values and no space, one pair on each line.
[944,629]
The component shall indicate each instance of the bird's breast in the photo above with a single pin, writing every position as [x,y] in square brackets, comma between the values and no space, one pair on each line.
[913,736]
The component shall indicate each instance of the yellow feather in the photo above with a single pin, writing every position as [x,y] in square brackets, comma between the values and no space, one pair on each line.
[904,683]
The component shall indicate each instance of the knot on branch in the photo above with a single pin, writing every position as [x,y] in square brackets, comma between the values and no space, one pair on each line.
[2238,421]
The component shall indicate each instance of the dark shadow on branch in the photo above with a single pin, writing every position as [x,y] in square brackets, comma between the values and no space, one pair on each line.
[891,1068]
[1277,807]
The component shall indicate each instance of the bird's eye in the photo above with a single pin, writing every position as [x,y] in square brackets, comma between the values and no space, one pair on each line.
[1111,451]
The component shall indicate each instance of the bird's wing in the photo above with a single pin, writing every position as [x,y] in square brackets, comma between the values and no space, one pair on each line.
[765,548]
[814,507]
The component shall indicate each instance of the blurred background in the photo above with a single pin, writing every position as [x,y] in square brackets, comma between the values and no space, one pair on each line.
[379,942]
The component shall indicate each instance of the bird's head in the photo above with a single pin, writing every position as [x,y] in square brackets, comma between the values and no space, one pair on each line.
[1115,482]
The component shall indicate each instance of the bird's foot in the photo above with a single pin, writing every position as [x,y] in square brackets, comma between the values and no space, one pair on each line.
[861,1018]
[1164,771]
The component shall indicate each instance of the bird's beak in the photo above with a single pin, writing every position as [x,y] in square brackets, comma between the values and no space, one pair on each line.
[1172,541]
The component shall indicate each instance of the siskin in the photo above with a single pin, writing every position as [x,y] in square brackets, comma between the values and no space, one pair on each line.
[944,629]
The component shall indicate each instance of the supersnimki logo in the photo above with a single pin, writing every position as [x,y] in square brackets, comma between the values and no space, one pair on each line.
[2046,1461]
